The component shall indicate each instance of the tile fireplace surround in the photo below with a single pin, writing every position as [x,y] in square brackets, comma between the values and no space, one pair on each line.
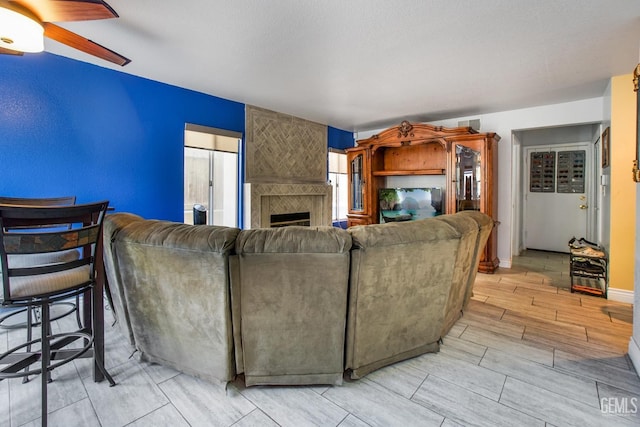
[264,200]
[286,168]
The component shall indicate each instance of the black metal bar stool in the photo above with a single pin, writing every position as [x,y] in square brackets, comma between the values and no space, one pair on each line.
[32,230]
[22,318]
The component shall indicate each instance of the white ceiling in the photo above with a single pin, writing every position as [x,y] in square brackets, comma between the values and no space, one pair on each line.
[363,64]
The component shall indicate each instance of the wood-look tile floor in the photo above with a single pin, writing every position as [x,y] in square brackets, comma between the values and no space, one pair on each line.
[526,352]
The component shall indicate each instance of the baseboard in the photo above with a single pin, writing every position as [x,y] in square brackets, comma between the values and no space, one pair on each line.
[620,295]
[505,264]
[634,354]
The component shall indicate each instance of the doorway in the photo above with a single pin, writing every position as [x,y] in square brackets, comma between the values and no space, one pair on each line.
[537,222]
[211,176]
[558,202]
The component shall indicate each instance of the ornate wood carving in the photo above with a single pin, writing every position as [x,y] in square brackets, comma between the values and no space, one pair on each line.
[405,129]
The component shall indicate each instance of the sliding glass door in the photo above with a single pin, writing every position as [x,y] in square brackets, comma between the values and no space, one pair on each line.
[210,178]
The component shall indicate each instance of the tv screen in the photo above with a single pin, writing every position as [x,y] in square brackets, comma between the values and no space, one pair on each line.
[410,204]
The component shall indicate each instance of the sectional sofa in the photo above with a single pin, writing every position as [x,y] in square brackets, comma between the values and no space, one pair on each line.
[293,305]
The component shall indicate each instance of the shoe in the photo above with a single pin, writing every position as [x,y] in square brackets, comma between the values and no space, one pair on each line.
[589,251]
[575,244]
[585,242]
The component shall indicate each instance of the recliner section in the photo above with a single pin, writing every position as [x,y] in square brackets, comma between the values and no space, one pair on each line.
[290,292]
[174,283]
[401,276]
[474,228]
[295,305]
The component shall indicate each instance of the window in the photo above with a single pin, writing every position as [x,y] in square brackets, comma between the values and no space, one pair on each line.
[339,182]
[211,175]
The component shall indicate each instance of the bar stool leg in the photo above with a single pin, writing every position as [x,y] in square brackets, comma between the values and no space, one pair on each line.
[78,320]
[29,338]
[44,326]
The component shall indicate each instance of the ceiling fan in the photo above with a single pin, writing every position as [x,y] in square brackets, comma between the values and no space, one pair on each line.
[34,18]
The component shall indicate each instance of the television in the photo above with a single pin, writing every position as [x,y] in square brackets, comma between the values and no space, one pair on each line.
[410,204]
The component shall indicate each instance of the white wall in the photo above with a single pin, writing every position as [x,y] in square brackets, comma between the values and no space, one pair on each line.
[557,135]
[605,190]
[504,124]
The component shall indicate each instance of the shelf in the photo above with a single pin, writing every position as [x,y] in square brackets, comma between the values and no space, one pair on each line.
[589,290]
[591,268]
[410,172]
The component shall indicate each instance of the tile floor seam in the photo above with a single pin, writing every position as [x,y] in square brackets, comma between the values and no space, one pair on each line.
[528,414]
[420,386]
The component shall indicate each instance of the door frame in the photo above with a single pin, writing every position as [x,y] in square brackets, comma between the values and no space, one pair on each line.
[518,185]
[590,172]
[214,145]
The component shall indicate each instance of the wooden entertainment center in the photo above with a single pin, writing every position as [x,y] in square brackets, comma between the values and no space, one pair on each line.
[466,159]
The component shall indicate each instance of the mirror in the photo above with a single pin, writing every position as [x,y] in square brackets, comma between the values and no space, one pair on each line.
[357,184]
[468,179]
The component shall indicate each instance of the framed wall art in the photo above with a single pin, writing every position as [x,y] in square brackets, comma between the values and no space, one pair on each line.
[605,148]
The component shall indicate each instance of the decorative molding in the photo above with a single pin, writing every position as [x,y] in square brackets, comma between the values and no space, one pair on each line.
[404,129]
[620,295]
[421,133]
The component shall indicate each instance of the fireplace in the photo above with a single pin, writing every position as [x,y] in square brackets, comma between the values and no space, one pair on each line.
[285,169]
[289,219]
[264,200]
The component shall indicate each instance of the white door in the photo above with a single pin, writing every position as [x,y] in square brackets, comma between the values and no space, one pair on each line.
[558,184]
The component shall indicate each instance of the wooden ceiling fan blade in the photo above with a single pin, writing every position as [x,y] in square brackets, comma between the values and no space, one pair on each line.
[68,10]
[4,51]
[76,41]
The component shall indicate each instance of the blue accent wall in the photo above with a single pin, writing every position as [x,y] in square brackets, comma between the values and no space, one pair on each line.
[72,128]
[340,138]
[67,127]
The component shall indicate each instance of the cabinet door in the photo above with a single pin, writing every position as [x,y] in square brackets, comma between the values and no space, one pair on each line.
[469,190]
[358,170]
[474,187]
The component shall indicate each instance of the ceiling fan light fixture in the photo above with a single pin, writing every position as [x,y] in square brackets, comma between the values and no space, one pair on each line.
[19,32]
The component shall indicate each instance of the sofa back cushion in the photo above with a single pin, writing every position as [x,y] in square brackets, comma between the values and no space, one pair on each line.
[468,229]
[175,280]
[485,225]
[289,304]
[400,278]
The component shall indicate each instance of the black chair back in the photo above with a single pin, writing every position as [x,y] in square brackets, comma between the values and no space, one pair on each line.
[43,201]
[43,230]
